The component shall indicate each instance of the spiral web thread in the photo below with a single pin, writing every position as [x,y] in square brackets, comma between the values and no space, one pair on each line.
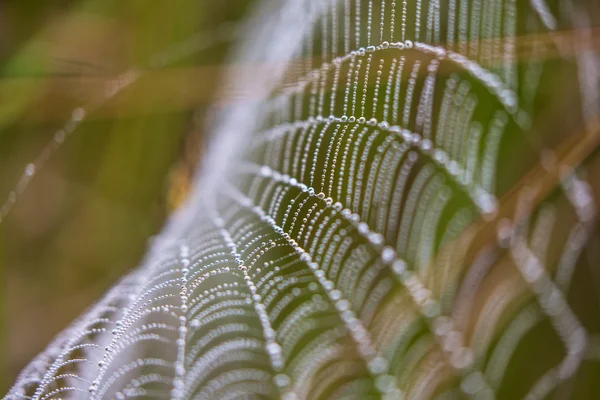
[364,238]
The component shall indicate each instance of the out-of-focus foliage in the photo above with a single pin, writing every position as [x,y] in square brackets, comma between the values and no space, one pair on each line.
[86,216]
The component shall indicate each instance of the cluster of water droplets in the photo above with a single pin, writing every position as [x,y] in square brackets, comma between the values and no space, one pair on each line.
[366,243]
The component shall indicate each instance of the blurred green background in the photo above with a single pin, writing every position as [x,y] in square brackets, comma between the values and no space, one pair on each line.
[86,216]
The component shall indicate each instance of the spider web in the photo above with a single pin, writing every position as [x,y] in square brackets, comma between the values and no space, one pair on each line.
[407,209]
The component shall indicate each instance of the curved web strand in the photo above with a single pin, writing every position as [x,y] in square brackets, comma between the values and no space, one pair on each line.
[111,89]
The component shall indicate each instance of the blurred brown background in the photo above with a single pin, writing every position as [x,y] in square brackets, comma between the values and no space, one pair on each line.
[86,216]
